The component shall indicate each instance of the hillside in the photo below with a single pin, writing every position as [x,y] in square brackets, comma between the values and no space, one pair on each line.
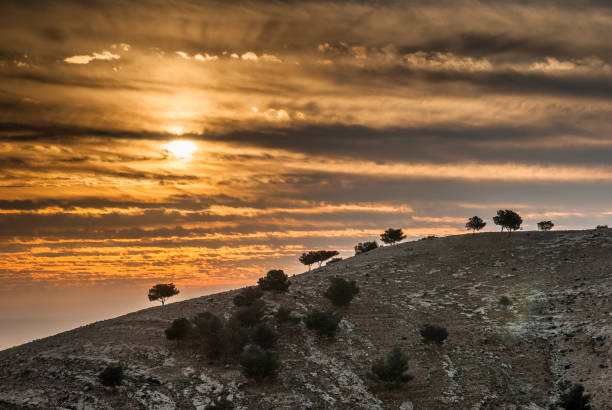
[557,330]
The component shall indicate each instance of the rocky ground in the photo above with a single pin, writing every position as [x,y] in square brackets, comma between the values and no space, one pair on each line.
[557,331]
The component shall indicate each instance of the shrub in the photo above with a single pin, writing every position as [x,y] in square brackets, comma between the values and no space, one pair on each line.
[179,329]
[112,375]
[264,336]
[334,260]
[505,301]
[475,223]
[283,315]
[341,291]
[545,225]
[247,296]
[433,334]
[221,403]
[275,280]
[162,291]
[364,247]
[392,371]
[325,323]
[390,236]
[207,329]
[233,337]
[508,219]
[250,315]
[602,227]
[575,399]
[258,363]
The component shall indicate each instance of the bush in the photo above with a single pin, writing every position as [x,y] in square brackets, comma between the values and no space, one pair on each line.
[264,336]
[341,291]
[258,363]
[179,329]
[247,296]
[545,225]
[221,403]
[364,247]
[283,315]
[250,315]
[333,260]
[275,280]
[233,337]
[602,227]
[392,372]
[575,399]
[207,329]
[325,323]
[433,334]
[390,236]
[112,375]
[505,301]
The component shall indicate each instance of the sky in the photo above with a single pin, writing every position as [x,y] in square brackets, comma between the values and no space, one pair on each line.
[205,143]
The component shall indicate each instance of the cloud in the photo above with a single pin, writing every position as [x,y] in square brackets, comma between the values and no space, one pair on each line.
[86,59]
[249,55]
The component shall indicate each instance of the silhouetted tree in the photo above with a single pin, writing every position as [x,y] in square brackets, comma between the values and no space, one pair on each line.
[247,296]
[112,375]
[392,371]
[340,292]
[364,247]
[390,236]
[545,225]
[575,399]
[308,258]
[179,329]
[325,255]
[475,223]
[433,334]
[508,219]
[275,280]
[162,291]
[258,363]
[325,323]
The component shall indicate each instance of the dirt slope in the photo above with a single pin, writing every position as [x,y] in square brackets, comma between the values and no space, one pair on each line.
[558,330]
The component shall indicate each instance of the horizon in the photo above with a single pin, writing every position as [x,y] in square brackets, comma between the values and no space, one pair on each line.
[205,143]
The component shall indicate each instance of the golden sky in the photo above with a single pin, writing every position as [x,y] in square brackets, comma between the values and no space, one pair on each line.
[207,142]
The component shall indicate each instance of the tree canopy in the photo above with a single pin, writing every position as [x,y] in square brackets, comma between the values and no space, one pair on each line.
[545,225]
[275,280]
[162,291]
[310,257]
[363,247]
[508,219]
[475,223]
[391,236]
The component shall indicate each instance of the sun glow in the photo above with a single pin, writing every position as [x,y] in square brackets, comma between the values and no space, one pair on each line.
[181,148]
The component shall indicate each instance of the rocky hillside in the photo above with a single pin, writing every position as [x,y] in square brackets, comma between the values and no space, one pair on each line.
[557,331]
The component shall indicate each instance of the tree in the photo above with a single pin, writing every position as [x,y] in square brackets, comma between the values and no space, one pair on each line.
[508,219]
[325,323]
[179,329]
[392,371]
[575,399]
[258,363]
[364,247]
[275,280]
[247,296]
[475,223]
[341,291]
[251,315]
[112,375]
[545,225]
[390,236]
[322,256]
[309,258]
[207,328]
[264,336]
[162,291]
[433,334]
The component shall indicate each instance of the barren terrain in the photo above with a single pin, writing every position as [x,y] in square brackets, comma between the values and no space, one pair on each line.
[557,331]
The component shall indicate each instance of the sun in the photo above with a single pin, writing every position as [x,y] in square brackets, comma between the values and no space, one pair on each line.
[181,148]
